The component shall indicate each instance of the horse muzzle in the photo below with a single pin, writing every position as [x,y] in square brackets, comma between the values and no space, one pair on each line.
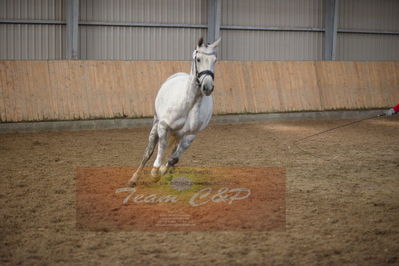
[207,90]
[207,86]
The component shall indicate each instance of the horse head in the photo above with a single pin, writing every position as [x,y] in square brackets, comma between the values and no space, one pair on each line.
[204,59]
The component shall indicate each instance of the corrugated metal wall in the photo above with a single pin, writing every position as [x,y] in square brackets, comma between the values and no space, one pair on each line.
[272,45]
[382,15]
[141,43]
[32,9]
[32,41]
[145,11]
[283,13]
[369,14]
[268,45]
[368,47]
[137,43]
[48,41]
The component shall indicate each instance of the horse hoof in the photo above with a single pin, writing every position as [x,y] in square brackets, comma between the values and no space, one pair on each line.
[163,169]
[173,161]
[131,183]
[156,179]
[155,172]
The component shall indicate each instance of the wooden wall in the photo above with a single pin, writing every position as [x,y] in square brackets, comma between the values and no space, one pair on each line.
[64,90]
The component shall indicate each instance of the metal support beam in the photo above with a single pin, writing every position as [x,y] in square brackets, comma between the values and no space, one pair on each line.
[214,19]
[191,26]
[142,25]
[381,32]
[331,22]
[32,21]
[72,29]
[257,28]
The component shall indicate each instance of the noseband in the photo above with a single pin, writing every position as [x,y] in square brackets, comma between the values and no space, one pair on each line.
[198,75]
[205,72]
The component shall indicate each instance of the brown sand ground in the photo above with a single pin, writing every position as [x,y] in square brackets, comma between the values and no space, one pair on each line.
[342,196]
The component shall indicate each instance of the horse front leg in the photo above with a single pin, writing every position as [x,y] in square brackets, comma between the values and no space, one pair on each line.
[183,145]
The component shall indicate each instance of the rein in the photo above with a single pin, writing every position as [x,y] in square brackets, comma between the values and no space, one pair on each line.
[340,126]
[296,142]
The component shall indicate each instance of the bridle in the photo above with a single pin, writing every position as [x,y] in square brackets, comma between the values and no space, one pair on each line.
[198,75]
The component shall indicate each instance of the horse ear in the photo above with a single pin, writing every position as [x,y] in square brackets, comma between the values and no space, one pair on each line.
[216,43]
[200,42]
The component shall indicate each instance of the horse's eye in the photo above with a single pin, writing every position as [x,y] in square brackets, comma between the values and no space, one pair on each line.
[198,60]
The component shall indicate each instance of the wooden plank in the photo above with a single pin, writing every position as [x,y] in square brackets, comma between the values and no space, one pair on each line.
[386,83]
[53,86]
[329,87]
[106,88]
[78,89]
[242,89]
[139,98]
[67,100]
[149,84]
[26,80]
[85,87]
[7,92]
[8,88]
[268,82]
[93,97]
[391,96]
[114,90]
[304,86]
[40,70]
[120,89]
[248,85]
[234,99]
[101,89]
[23,96]
[222,89]
[140,88]
[130,96]
[3,91]
[37,90]
[259,89]
[60,81]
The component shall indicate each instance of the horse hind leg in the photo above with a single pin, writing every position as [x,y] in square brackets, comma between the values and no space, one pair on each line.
[163,134]
[152,141]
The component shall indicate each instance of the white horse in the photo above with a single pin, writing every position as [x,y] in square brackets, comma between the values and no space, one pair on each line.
[183,107]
